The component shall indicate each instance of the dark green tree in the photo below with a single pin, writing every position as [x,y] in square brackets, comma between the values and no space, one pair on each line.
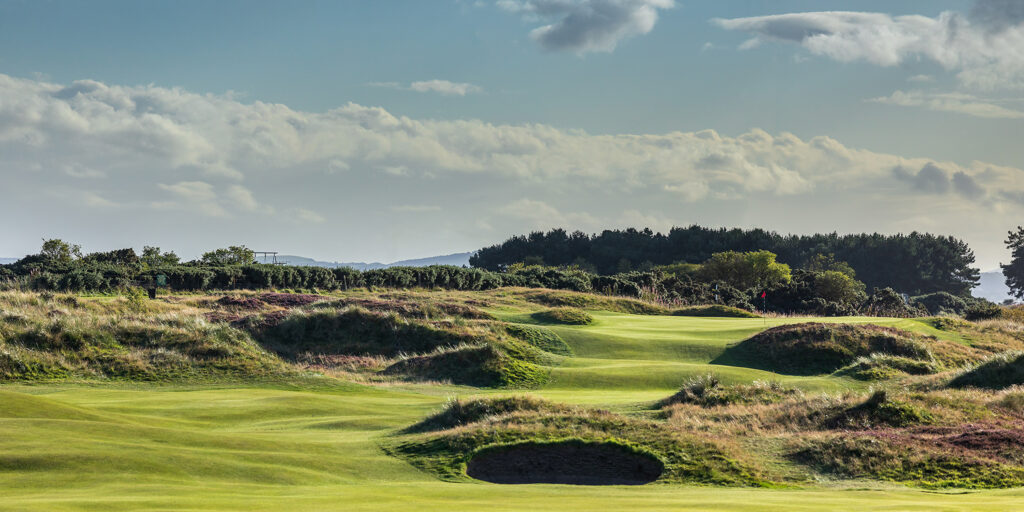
[234,255]
[59,251]
[154,258]
[1014,271]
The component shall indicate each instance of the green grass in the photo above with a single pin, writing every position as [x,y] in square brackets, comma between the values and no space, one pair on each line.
[318,444]
[72,447]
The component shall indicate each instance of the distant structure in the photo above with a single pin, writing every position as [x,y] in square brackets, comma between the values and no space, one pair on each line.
[272,255]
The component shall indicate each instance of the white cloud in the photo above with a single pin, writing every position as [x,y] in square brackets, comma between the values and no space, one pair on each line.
[950,102]
[442,87]
[921,78]
[983,48]
[541,215]
[583,26]
[195,196]
[445,87]
[241,198]
[160,148]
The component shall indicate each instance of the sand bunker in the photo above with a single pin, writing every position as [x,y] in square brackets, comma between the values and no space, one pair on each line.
[569,462]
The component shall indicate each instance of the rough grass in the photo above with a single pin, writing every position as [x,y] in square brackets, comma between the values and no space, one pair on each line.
[997,372]
[707,391]
[541,338]
[587,301]
[564,315]
[483,366]
[59,336]
[355,331]
[877,366]
[867,456]
[457,412]
[685,458]
[715,310]
[818,348]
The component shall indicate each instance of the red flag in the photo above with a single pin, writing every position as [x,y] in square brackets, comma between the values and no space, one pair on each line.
[764,294]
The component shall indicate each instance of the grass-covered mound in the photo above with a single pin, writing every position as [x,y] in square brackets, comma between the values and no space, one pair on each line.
[578,300]
[355,331]
[410,306]
[686,458]
[458,412]
[707,391]
[541,338]
[715,310]
[878,411]
[45,336]
[570,461]
[442,348]
[884,366]
[564,315]
[908,461]
[817,348]
[997,372]
[488,365]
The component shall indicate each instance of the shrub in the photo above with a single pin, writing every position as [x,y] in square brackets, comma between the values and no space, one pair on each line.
[982,311]
[137,299]
[886,302]
[940,303]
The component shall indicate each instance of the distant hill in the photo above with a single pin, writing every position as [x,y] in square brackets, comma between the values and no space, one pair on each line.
[992,287]
[7,261]
[457,259]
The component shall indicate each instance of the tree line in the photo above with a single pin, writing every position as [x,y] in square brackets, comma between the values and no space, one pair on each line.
[752,280]
[915,263]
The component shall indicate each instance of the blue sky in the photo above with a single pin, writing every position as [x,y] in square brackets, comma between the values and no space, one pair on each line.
[505,127]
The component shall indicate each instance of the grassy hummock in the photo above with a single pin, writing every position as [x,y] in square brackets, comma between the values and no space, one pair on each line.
[686,458]
[997,372]
[564,315]
[819,348]
[715,310]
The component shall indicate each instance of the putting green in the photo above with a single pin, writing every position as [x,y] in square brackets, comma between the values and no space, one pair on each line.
[314,445]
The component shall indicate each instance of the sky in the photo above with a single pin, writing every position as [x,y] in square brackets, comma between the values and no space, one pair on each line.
[385,130]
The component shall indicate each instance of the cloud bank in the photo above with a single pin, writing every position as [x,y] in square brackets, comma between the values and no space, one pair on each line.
[985,48]
[111,161]
[583,26]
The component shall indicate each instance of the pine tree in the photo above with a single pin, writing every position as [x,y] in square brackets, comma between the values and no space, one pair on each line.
[1014,271]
